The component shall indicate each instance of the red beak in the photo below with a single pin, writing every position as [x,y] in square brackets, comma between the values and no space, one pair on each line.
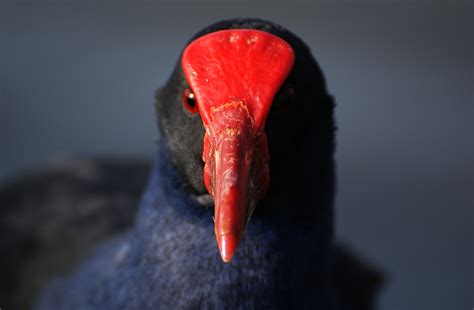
[234,75]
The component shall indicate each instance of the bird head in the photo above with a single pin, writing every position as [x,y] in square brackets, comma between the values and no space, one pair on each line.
[244,91]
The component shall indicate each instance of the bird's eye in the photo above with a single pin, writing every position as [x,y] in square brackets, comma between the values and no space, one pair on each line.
[189,101]
[285,100]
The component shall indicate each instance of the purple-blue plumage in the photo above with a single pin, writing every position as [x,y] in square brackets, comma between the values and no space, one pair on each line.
[169,261]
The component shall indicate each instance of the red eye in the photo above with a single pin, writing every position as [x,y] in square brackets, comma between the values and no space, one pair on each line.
[189,101]
[286,100]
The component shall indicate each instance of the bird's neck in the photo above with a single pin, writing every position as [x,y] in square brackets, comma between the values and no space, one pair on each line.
[305,206]
[280,252]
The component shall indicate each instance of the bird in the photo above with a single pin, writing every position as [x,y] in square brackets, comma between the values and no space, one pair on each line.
[238,210]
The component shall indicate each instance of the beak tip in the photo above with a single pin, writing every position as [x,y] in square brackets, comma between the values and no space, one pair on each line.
[227,245]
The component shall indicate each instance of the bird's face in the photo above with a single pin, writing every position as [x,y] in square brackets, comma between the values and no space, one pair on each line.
[232,89]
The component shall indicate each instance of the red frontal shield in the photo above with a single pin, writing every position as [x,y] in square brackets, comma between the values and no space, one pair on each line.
[234,75]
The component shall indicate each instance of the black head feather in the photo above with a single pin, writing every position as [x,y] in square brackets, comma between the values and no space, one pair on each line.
[301,138]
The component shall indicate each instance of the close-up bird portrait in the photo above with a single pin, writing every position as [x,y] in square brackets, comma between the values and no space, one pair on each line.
[316,155]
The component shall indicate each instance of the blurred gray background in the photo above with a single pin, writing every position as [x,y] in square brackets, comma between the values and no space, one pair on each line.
[79,78]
